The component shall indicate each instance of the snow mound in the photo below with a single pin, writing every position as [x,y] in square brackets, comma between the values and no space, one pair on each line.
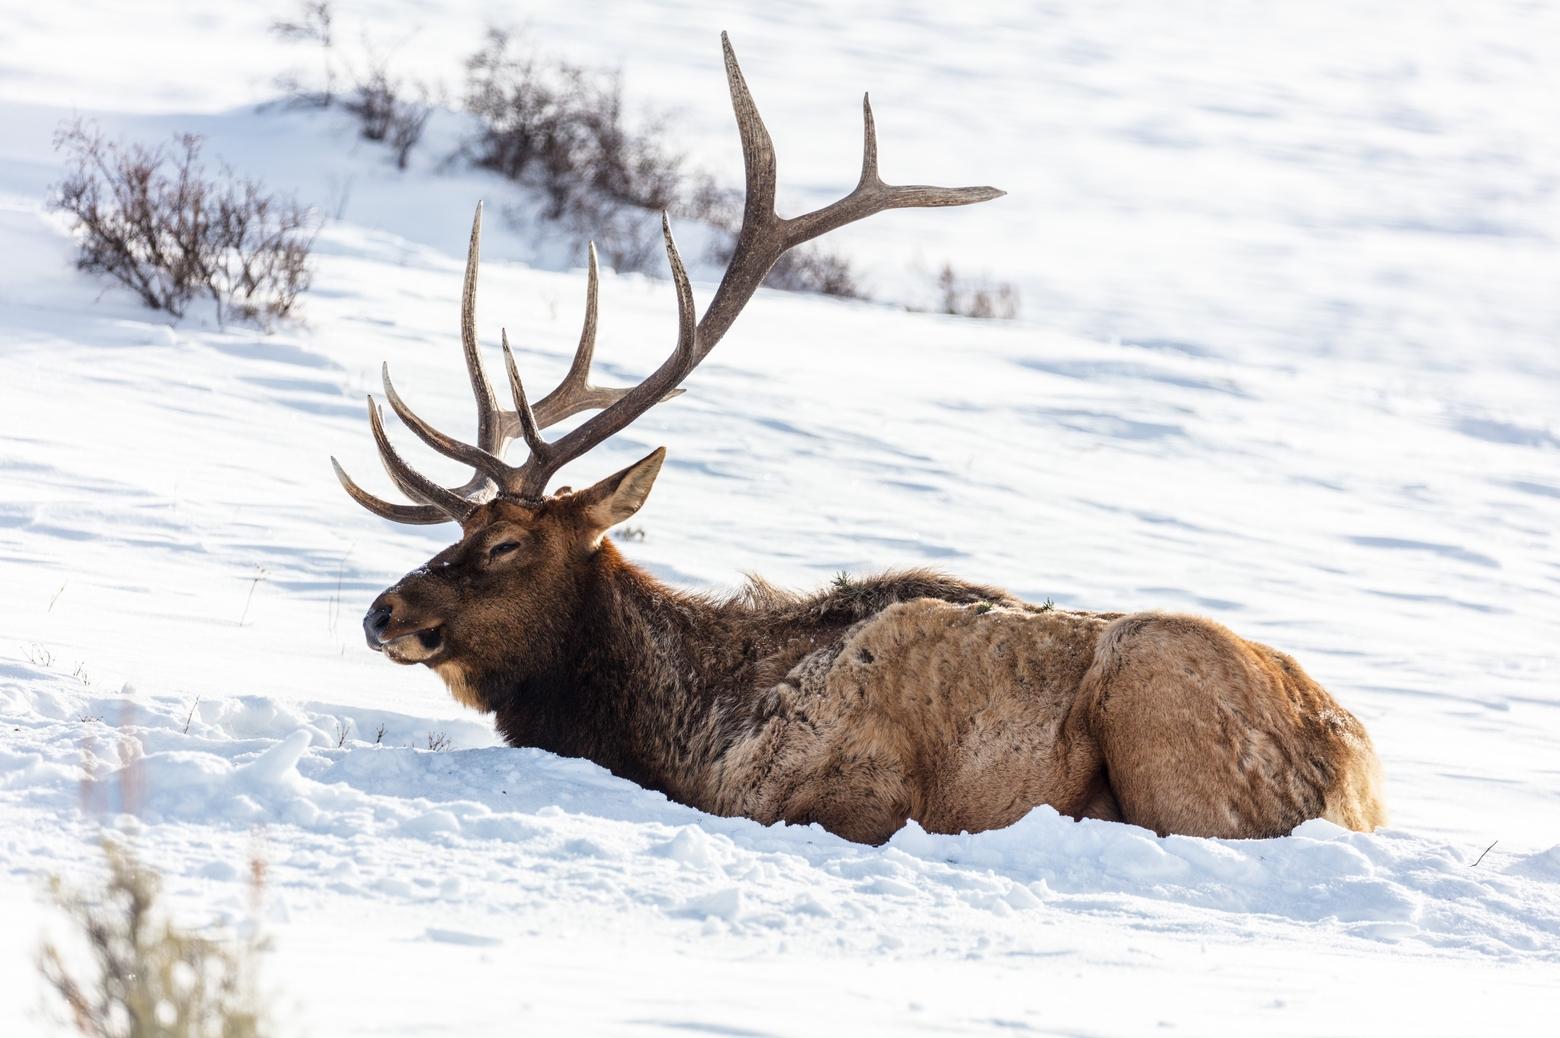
[468,815]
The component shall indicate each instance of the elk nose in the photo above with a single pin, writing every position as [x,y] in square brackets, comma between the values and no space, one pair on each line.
[374,623]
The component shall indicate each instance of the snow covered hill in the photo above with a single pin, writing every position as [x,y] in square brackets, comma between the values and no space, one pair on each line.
[1287,357]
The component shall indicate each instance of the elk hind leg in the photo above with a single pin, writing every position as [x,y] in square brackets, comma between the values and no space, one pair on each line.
[1206,734]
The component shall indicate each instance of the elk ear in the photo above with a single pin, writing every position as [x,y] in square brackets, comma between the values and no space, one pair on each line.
[619,496]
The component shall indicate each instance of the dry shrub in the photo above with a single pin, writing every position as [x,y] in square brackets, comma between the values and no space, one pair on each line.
[314,24]
[964,297]
[812,269]
[155,221]
[562,129]
[148,978]
[389,110]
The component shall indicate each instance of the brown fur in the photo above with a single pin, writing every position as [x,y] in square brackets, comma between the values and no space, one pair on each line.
[909,695]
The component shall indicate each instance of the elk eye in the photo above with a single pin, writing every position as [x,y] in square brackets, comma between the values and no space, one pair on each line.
[502,548]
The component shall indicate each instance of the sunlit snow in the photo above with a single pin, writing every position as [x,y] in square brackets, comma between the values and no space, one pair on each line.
[1287,357]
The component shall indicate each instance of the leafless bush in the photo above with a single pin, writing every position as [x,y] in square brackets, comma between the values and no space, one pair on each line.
[389,110]
[154,220]
[314,24]
[438,741]
[148,978]
[562,129]
[813,269]
[809,268]
[963,297]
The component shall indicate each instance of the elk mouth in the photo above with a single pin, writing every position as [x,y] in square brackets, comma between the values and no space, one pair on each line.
[417,647]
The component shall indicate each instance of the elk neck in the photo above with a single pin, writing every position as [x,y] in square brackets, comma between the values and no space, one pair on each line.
[631,686]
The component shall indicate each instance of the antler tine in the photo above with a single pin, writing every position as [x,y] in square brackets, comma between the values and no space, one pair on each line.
[869,166]
[758,244]
[490,424]
[636,401]
[575,393]
[758,148]
[411,482]
[873,196]
[486,464]
[529,430]
[765,235]
[413,515]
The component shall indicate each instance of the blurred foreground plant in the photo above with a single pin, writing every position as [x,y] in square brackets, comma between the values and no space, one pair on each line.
[148,978]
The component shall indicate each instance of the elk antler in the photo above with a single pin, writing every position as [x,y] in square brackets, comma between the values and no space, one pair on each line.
[764,237]
[496,427]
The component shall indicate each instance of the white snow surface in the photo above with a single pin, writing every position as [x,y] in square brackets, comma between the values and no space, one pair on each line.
[1287,357]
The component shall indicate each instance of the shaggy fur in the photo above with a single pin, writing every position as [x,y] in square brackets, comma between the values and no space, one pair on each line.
[909,695]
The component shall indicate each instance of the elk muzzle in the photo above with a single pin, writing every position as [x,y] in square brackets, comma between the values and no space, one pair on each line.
[392,627]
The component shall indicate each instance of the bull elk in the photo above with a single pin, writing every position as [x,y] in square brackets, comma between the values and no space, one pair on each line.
[909,695]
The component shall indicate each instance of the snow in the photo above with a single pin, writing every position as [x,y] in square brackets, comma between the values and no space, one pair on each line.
[1286,358]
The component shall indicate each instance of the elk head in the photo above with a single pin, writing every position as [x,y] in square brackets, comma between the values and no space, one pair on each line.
[506,597]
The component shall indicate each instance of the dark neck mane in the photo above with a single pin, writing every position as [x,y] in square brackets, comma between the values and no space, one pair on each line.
[656,681]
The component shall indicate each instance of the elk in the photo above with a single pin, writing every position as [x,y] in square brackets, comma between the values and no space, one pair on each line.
[909,695]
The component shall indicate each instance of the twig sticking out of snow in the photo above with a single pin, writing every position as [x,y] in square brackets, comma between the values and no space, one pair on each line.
[260,574]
